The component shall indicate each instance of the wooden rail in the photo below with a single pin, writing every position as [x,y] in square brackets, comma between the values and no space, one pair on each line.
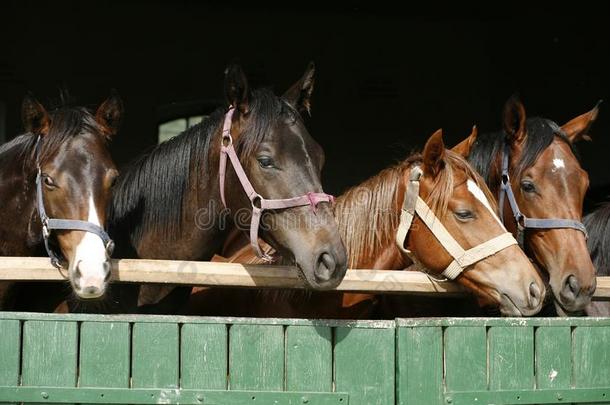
[243,275]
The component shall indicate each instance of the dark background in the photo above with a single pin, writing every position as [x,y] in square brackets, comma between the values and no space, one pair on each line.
[386,78]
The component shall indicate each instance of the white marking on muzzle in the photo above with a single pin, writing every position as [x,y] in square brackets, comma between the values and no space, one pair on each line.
[480,195]
[90,257]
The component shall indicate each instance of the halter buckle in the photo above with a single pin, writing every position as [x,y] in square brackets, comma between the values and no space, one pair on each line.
[110,247]
[46,233]
[227,140]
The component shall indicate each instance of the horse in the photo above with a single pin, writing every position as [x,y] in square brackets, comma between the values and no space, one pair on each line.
[55,185]
[598,227]
[532,164]
[180,201]
[369,217]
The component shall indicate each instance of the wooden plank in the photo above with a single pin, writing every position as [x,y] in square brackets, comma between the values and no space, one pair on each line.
[511,357]
[245,275]
[466,358]
[104,354]
[553,357]
[155,355]
[364,365]
[591,357]
[420,365]
[309,359]
[256,357]
[50,351]
[10,351]
[203,356]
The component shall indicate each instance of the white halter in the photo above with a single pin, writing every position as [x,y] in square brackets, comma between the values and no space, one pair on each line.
[413,204]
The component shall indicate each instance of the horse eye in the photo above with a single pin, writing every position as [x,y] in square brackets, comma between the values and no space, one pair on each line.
[48,181]
[528,186]
[266,162]
[464,215]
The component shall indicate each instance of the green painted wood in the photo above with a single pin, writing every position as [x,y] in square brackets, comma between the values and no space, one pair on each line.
[538,396]
[309,358]
[49,353]
[465,358]
[420,365]
[155,357]
[364,365]
[169,396]
[10,350]
[256,357]
[591,356]
[511,357]
[104,354]
[203,356]
[553,357]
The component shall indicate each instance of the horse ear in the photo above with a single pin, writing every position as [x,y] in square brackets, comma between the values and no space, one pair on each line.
[110,113]
[463,148]
[236,88]
[514,120]
[577,129]
[434,152]
[34,116]
[299,94]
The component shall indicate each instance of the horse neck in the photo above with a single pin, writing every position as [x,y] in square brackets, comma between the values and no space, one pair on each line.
[19,220]
[368,217]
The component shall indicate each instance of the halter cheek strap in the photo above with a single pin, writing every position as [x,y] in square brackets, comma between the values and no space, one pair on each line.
[50,224]
[414,205]
[259,203]
[522,221]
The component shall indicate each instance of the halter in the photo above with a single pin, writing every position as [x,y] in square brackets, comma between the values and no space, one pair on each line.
[259,204]
[522,221]
[49,224]
[413,204]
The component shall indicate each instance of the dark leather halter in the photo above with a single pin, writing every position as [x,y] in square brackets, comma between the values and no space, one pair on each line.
[50,224]
[522,221]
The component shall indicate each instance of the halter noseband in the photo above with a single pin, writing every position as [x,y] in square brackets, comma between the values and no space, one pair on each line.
[522,221]
[259,203]
[50,224]
[413,204]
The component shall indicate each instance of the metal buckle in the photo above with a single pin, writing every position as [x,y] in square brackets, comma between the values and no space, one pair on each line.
[45,230]
[227,140]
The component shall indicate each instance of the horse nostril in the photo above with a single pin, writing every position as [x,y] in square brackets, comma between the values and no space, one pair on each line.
[571,287]
[91,291]
[325,267]
[535,295]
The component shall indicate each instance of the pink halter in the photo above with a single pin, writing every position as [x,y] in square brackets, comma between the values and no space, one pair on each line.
[259,204]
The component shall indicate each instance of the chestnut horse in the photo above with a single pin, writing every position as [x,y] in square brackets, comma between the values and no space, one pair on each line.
[62,167]
[369,216]
[170,204]
[598,226]
[548,184]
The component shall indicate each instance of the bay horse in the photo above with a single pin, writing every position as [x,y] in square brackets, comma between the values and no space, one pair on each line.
[598,227]
[369,216]
[170,204]
[55,183]
[533,163]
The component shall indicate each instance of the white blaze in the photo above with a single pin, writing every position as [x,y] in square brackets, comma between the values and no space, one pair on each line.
[558,164]
[480,195]
[90,254]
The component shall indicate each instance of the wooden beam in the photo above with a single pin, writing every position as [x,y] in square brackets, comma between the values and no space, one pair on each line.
[215,274]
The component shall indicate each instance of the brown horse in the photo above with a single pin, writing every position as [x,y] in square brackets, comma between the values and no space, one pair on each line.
[548,183]
[67,150]
[368,217]
[169,204]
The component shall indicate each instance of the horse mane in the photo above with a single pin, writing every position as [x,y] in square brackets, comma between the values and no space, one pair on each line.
[541,133]
[368,214]
[66,123]
[598,228]
[157,183]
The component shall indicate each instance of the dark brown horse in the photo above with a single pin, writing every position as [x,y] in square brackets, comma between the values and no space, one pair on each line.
[547,181]
[368,217]
[167,205]
[69,148]
[598,226]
